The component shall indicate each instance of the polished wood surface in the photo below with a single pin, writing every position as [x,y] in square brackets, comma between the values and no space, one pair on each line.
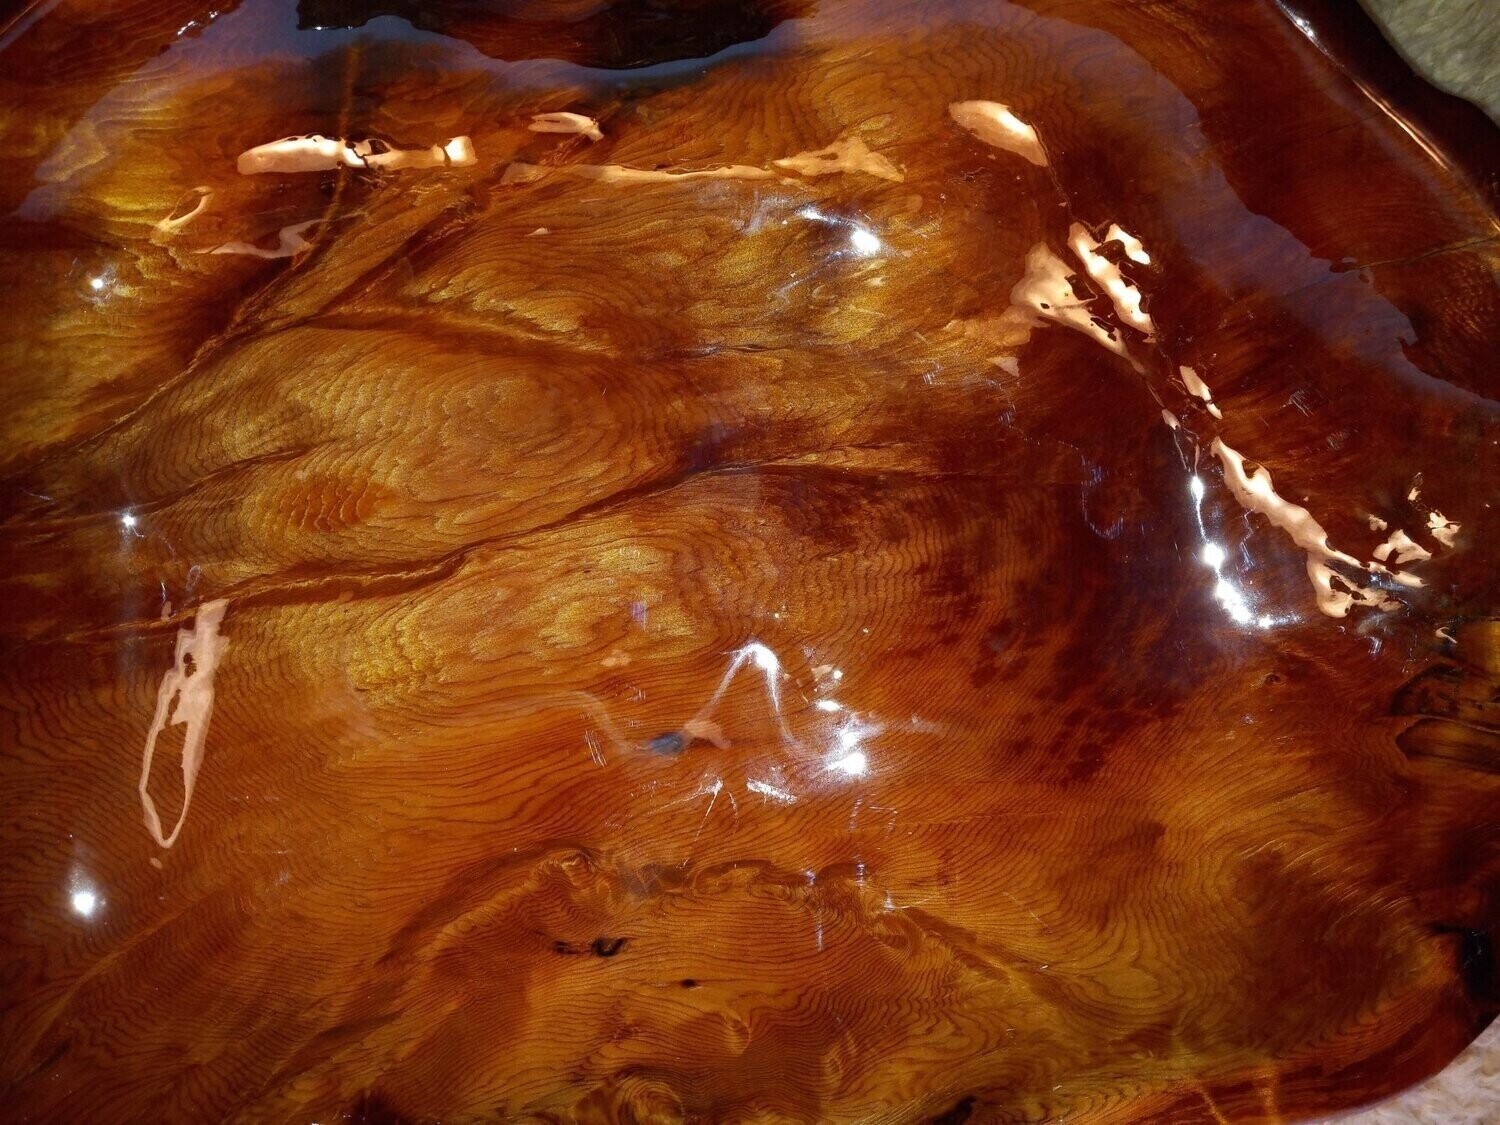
[942,568]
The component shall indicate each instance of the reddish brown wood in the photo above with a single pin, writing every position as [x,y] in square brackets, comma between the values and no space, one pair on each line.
[725,648]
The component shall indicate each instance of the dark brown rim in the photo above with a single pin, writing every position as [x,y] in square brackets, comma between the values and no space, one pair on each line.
[1457,132]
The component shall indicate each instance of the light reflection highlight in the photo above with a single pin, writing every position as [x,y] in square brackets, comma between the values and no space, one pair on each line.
[101,286]
[1213,556]
[764,658]
[849,757]
[83,896]
[773,792]
[854,763]
[769,664]
[864,242]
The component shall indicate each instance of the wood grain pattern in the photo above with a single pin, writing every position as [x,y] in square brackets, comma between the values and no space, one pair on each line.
[752,617]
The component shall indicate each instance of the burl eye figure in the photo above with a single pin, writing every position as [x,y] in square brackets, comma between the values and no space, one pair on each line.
[790,561]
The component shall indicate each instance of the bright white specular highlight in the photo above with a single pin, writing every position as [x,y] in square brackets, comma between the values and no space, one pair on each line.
[995,125]
[848,756]
[853,763]
[763,657]
[1232,601]
[1214,556]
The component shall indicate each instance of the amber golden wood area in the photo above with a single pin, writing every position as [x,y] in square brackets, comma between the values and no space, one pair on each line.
[837,560]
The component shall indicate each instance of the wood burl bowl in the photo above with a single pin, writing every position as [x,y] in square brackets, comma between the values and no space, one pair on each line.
[780,560]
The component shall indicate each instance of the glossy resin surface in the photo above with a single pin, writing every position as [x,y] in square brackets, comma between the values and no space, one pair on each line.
[796,560]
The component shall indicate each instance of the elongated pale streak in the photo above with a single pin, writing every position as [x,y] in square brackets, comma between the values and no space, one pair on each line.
[774,792]
[619,174]
[566,123]
[170,225]
[848,155]
[519,173]
[769,665]
[1125,297]
[994,124]
[186,696]
[1255,493]
[1198,387]
[289,241]
[764,659]
[316,153]
[808,164]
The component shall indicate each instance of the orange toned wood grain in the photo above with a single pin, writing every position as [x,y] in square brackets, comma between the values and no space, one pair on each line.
[687,663]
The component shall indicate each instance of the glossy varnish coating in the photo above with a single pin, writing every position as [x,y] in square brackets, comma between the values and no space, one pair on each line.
[912,632]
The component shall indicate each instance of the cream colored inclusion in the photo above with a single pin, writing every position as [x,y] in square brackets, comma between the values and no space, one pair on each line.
[566,123]
[995,124]
[186,697]
[316,153]
[1256,493]
[848,155]
[1125,297]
